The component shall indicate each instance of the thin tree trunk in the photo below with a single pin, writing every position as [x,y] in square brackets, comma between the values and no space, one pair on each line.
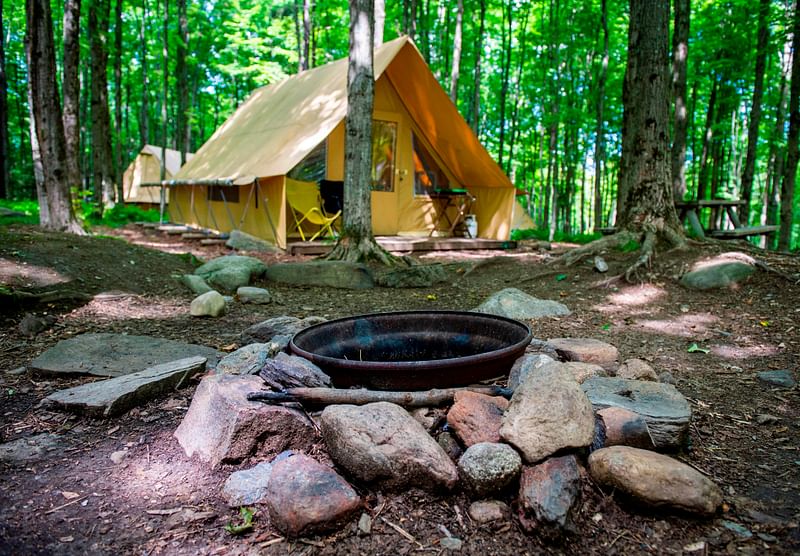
[515,127]
[508,35]
[680,53]
[47,118]
[599,143]
[792,150]
[118,155]
[456,53]
[708,135]
[755,109]
[380,19]
[38,171]
[71,90]
[5,185]
[306,35]
[182,73]
[776,149]
[476,97]
[144,125]
[164,101]
[101,125]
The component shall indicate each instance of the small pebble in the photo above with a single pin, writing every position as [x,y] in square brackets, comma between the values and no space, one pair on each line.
[364,524]
[766,537]
[118,456]
[450,543]
[737,529]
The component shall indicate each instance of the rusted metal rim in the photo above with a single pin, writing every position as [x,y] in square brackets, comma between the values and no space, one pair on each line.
[413,349]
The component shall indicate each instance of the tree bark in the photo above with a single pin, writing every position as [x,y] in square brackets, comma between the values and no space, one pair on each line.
[357,242]
[118,157]
[456,52]
[101,126]
[600,140]
[777,157]
[305,64]
[708,135]
[164,108]
[476,97]
[47,118]
[144,124]
[792,150]
[755,109]
[380,20]
[508,36]
[71,90]
[5,185]
[680,56]
[182,73]
[36,159]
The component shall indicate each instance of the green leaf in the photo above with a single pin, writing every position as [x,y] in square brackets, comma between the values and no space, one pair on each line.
[246,525]
[694,348]
[606,326]
[561,277]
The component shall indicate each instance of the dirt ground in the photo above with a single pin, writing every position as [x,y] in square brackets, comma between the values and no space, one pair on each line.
[76,500]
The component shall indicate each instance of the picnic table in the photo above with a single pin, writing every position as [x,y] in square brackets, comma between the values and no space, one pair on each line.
[717,224]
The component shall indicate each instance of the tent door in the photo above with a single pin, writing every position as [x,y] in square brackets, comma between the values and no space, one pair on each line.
[386,171]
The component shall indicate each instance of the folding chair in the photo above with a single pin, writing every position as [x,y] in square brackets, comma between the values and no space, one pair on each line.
[304,202]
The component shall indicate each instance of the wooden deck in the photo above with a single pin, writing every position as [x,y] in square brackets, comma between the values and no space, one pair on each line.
[397,244]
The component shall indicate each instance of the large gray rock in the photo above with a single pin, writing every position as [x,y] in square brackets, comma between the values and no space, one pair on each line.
[548,494]
[305,497]
[548,412]
[381,443]
[223,426]
[489,467]
[248,486]
[30,448]
[665,410]
[717,275]
[209,304]
[284,325]
[256,296]
[586,350]
[246,360]
[655,479]
[290,371]
[195,283]
[329,274]
[231,271]
[524,365]
[242,241]
[516,304]
[114,396]
[115,354]
[782,378]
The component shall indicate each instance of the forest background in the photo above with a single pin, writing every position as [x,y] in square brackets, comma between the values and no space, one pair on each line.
[539,82]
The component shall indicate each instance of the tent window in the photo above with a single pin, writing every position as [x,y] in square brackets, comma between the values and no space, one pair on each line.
[223,193]
[313,166]
[384,142]
[427,174]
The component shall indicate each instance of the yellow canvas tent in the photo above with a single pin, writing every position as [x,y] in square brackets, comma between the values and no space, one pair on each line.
[520,219]
[295,130]
[146,168]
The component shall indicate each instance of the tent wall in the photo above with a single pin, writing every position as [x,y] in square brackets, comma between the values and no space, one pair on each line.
[190,205]
[145,168]
[521,220]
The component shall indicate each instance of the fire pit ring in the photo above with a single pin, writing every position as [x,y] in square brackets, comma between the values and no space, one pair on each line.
[413,350]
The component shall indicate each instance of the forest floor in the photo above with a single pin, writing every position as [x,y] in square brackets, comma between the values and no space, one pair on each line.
[157,501]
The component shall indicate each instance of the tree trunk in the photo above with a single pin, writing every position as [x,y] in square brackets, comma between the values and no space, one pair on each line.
[5,186]
[680,56]
[357,242]
[599,143]
[755,109]
[47,117]
[476,97]
[304,65]
[380,19]
[456,53]
[101,125]
[164,112]
[144,125]
[708,135]
[792,150]
[38,171]
[508,35]
[71,90]
[775,172]
[118,158]
[182,73]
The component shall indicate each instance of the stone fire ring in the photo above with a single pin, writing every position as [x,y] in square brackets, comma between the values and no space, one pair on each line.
[413,350]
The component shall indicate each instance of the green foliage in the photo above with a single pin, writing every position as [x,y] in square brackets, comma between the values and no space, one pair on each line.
[630,246]
[246,524]
[118,216]
[559,236]
[30,210]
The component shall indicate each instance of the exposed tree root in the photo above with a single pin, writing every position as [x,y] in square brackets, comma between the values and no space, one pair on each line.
[598,246]
[363,250]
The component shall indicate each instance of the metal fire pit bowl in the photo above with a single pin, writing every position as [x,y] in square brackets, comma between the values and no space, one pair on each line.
[413,350]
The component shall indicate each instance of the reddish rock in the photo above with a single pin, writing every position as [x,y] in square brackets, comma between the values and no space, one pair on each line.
[304,496]
[581,372]
[222,426]
[548,494]
[477,417]
[636,369]
[488,511]
[586,350]
[625,428]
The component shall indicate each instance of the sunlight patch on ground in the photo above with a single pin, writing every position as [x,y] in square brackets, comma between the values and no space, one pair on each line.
[744,352]
[22,274]
[124,306]
[723,258]
[631,296]
[174,248]
[685,326]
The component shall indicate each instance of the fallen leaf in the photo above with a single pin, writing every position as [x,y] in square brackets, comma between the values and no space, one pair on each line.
[66,539]
[69,495]
[694,348]
[112,430]
[169,511]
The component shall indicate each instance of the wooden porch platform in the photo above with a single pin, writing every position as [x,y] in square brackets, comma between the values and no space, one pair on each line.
[397,244]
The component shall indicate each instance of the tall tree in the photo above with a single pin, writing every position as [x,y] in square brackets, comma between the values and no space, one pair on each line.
[103,176]
[476,96]
[47,117]
[306,44]
[792,141]
[680,56]
[357,242]
[71,89]
[454,73]
[380,20]
[755,108]
[118,157]
[599,140]
[4,162]
[164,108]
[182,72]
[144,122]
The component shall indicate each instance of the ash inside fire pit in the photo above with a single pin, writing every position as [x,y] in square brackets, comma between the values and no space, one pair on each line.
[414,349]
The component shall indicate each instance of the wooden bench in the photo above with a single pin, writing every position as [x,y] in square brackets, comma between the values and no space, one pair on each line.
[743,231]
[690,211]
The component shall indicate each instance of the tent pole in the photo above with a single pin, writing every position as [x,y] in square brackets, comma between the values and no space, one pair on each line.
[269,216]
[227,208]
[178,206]
[246,206]
[211,212]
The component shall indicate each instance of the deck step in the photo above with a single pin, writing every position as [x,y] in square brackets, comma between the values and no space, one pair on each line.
[744,231]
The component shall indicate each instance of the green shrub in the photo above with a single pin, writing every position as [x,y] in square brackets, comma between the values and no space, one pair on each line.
[118,216]
[543,235]
[29,208]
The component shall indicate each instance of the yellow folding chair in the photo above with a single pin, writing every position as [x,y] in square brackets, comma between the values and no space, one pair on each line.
[304,202]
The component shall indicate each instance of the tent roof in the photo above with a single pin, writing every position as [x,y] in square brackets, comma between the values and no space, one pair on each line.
[173,157]
[279,124]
